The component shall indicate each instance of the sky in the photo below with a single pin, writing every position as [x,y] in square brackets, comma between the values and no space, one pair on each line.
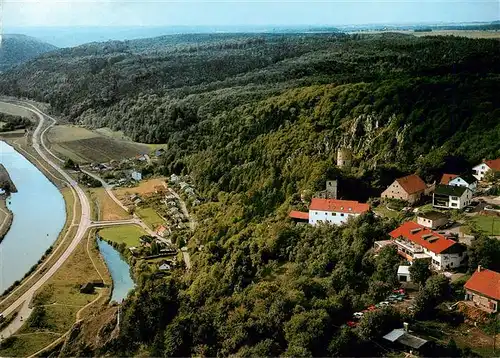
[21,13]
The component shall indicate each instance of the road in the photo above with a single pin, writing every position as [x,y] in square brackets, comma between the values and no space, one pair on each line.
[82,227]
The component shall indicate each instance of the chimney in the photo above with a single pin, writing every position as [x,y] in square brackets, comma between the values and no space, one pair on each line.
[406,326]
[479,268]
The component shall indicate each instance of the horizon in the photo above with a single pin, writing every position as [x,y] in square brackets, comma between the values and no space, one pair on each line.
[224,13]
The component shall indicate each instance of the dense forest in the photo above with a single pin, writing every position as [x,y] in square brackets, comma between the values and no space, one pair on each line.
[17,49]
[256,120]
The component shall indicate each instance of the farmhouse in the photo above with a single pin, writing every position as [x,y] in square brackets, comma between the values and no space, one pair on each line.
[432,219]
[409,188]
[416,242]
[334,211]
[483,289]
[451,197]
[479,171]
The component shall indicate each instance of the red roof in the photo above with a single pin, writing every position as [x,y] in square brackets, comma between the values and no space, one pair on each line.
[493,164]
[446,178]
[409,231]
[339,206]
[486,282]
[412,183]
[294,214]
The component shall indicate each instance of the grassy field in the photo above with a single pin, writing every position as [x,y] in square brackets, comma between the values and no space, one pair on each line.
[486,223]
[23,346]
[108,209]
[150,217]
[145,187]
[384,212]
[129,234]
[14,110]
[462,33]
[85,146]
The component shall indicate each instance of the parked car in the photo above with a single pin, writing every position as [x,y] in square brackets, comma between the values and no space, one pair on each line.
[448,224]
[358,315]
[469,209]
[384,303]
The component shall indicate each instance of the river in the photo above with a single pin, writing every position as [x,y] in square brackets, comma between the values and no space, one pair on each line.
[119,270]
[39,216]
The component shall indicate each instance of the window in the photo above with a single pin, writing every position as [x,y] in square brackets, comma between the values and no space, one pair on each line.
[454,204]
[316,213]
[454,198]
[342,214]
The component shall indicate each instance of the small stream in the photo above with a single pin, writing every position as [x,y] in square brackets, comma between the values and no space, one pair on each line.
[119,270]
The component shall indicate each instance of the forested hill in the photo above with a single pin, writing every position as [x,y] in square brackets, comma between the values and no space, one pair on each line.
[17,49]
[256,121]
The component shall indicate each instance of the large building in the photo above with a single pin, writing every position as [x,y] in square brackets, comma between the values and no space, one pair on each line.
[483,289]
[451,197]
[479,171]
[409,188]
[335,211]
[415,242]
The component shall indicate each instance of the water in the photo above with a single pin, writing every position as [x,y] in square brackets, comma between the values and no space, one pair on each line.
[119,269]
[39,216]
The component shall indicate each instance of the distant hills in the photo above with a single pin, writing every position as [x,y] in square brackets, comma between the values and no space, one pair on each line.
[17,49]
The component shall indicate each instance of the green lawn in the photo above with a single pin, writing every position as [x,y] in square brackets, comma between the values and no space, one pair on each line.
[486,223]
[150,217]
[129,234]
[384,212]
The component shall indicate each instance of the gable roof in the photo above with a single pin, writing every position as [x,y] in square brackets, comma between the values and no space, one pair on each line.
[340,206]
[412,183]
[445,179]
[294,214]
[493,164]
[486,282]
[450,190]
[417,233]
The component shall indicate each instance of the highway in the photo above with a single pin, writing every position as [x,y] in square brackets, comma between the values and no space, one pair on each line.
[82,227]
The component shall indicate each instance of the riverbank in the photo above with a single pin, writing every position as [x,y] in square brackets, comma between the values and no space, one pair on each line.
[5,181]
[6,217]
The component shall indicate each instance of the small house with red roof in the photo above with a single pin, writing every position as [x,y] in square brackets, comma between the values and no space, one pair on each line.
[299,216]
[409,188]
[162,231]
[483,289]
[465,180]
[415,242]
[335,211]
[479,171]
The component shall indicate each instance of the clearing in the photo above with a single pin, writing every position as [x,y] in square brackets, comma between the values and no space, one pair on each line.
[150,217]
[489,224]
[128,234]
[108,209]
[146,187]
[86,146]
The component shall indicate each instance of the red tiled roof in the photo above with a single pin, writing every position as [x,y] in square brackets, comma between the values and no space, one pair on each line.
[436,246]
[486,282]
[445,179]
[294,214]
[493,164]
[339,206]
[412,183]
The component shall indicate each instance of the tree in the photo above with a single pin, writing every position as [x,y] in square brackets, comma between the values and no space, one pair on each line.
[484,251]
[375,324]
[420,272]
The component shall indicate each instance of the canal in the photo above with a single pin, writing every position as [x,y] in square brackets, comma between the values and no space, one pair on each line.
[39,216]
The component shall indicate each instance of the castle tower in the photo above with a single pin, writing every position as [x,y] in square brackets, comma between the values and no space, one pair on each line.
[344,157]
[331,189]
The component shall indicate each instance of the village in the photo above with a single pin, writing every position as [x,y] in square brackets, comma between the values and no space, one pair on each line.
[438,223]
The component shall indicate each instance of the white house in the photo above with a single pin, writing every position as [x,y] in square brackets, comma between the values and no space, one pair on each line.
[466,180]
[479,171]
[416,242]
[334,211]
[451,197]
[137,176]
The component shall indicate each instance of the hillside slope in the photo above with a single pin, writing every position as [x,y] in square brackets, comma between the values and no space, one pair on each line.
[257,121]
[17,49]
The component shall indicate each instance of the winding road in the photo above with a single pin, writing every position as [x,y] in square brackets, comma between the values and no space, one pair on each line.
[82,227]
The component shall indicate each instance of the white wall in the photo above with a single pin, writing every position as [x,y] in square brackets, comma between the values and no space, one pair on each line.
[445,261]
[460,182]
[480,170]
[316,216]
[459,202]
